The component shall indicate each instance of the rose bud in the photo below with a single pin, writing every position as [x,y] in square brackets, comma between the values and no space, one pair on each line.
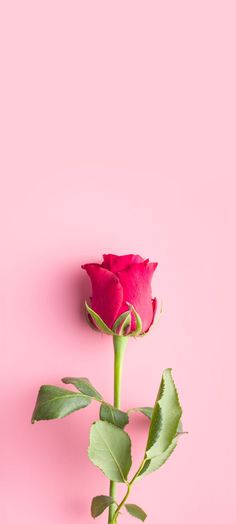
[121,302]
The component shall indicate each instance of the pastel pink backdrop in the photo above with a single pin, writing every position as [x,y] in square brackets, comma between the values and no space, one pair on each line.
[117,135]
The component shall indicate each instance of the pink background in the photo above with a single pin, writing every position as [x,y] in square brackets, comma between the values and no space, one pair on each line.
[117,134]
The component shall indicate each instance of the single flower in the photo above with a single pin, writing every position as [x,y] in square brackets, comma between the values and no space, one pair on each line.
[121,294]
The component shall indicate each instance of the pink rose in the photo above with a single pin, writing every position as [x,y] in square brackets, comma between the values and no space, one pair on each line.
[120,285]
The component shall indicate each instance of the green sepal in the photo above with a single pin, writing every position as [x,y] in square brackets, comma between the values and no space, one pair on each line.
[54,402]
[84,386]
[99,323]
[136,511]
[138,329]
[113,415]
[122,324]
[110,450]
[99,504]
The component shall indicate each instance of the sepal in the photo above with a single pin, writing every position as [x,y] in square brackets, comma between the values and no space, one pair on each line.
[122,324]
[138,320]
[97,321]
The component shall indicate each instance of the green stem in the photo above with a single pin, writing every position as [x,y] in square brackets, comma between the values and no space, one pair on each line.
[120,343]
[116,513]
[130,484]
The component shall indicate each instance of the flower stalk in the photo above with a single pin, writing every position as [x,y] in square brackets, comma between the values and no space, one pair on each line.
[119,343]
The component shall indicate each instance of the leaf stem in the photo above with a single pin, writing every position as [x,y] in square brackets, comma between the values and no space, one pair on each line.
[116,513]
[119,343]
[129,487]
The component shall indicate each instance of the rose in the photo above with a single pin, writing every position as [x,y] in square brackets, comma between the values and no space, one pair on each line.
[122,305]
[121,300]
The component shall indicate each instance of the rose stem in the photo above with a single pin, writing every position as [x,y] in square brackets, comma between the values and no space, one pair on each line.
[119,343]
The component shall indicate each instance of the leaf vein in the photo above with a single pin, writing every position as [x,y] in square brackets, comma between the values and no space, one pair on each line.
[113,456]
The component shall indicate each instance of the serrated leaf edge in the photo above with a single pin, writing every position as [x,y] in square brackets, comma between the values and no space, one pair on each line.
[158,402]
[99,467]
[146,472]
[72,394]
[99,397]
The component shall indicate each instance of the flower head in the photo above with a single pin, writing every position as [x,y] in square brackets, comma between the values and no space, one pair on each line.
[121,294]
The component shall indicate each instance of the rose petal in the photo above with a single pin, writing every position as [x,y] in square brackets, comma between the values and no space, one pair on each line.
[117,263]
[136,283]
[154,307]
[107,293]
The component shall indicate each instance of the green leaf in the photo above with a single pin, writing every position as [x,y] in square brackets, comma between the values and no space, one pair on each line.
[110,450]
[165,419]
[84,385]
[54,402]
[155,463]
[136,511]
[99,504]
[122,324]
[148,413]
[98,321]
[164,427]
[113,415]
[145,411]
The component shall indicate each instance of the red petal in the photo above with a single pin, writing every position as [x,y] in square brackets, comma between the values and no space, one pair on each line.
[107,293]
[136,283]
[154,307]
[117,263]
